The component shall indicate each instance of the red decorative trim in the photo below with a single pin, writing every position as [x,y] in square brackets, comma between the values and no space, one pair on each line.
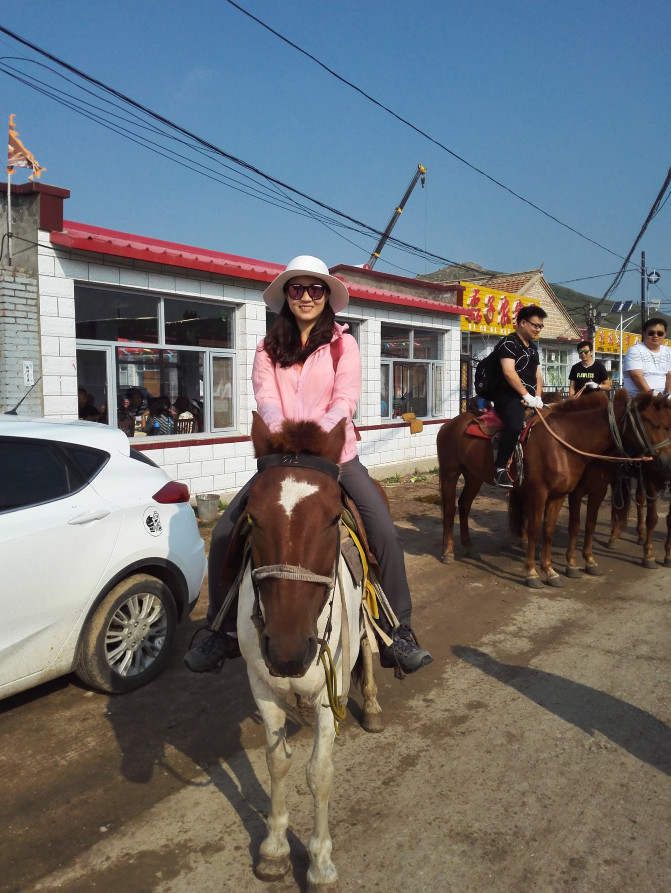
[113,243]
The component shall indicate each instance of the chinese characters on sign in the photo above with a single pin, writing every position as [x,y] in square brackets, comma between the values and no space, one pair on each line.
[493,311]
[608,341]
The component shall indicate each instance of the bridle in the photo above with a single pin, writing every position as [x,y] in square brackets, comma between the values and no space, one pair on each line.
[305,575]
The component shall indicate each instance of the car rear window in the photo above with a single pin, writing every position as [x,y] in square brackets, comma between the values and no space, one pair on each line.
[37,471]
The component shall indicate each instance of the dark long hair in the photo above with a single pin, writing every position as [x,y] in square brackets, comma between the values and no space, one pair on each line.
[283,341]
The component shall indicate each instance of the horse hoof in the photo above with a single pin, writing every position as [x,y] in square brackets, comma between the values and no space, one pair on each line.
[610,544]
[667,562]
[593,570]
[372,722]
[534,583]
[650,563]
[556,582]
[447,558]
[332,887]
[573,572]
[272,869]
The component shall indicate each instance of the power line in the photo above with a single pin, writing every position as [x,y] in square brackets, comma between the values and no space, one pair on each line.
[651,213]
[364,227]
[417,129]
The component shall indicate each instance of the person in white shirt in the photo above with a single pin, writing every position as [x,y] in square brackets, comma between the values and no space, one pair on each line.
[647,365]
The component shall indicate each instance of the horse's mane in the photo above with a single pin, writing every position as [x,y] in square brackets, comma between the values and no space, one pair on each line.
[299,437]
[585,403]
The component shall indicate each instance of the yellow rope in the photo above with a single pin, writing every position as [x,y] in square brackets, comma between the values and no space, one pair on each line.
[369,594]
[338,709]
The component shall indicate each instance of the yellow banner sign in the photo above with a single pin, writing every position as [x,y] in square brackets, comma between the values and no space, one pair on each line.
[608,341]
[493,311]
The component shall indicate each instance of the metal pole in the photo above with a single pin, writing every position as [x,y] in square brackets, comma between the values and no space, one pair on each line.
[9,216]
[644,291]
[620,376]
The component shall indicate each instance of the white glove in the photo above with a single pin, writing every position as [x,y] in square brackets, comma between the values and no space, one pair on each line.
[592,386]
[532,402]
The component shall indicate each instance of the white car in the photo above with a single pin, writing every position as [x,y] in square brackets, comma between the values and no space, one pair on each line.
[100,556]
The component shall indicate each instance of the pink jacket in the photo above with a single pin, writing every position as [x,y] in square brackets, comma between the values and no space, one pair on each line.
[316,391]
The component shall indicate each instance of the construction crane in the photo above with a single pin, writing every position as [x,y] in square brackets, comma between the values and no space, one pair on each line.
[420,173]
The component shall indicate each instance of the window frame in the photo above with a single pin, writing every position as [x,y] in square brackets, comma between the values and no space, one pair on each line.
[410,360]
[161,344]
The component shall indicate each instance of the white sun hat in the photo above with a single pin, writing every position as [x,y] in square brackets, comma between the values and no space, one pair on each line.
[305,265]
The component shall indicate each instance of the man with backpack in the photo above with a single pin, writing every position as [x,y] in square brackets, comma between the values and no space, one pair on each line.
[514,382]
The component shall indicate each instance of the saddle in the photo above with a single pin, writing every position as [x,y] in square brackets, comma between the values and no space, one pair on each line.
[487,425]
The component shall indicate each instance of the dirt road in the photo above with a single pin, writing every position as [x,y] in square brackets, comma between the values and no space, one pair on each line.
[533,754]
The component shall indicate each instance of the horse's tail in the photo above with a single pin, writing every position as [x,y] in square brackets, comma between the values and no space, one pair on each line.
[516,512]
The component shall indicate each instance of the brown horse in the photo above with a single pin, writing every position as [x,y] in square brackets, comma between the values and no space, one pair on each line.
[470,457]
[299,625]
[552,470]
[594,484]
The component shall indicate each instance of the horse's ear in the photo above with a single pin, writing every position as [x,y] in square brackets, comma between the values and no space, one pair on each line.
[335,441]
[261,435]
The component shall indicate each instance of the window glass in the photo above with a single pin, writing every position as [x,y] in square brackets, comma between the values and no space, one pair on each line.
[161,386]
[384,390]
[395,341]
[32,472]
[410,389]
[425,345]
[192,323]
[222,392]
[115,315]
[437,408]
[87,462]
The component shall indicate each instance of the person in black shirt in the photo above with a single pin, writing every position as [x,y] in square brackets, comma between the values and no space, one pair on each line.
[520,384]
[588,373]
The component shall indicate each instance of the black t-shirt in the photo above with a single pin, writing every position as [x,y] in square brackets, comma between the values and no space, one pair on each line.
[526,359]
[580,376]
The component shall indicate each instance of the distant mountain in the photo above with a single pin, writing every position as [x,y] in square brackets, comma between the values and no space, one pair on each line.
[576,303]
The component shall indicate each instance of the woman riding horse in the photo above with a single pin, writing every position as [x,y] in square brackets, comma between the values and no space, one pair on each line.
[309,369]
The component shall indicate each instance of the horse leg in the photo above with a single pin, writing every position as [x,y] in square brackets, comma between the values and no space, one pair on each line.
[273,861]
[552,508]
[574,503]
[448,492]
[651,517]
[667,544]
[322,872]
[470,491]
[372,712]
[533,514]
[594,500]
[641,518]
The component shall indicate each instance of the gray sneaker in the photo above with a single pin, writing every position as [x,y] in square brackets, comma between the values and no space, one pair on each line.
[210,651]
[405,651]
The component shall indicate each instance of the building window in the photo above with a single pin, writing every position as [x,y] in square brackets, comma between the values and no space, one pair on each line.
[411,372]
[557,366]
[156,365]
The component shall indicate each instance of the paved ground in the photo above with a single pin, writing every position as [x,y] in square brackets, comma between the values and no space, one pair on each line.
[534,754]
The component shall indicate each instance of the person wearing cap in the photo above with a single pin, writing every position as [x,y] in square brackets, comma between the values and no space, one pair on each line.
[308,368]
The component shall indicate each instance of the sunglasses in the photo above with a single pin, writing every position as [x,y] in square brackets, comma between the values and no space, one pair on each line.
[316,291]
[657,333]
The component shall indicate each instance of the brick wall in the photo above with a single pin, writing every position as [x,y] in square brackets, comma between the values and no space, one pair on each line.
[19,340]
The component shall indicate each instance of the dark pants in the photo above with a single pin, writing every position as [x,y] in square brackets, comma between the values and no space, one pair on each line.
[380,530]
[510,410]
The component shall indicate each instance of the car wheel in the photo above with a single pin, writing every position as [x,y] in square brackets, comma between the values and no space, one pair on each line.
[127,640]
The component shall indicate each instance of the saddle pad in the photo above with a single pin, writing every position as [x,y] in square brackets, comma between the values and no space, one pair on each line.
[485,425]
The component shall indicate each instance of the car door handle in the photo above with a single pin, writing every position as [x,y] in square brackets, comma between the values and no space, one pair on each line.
[87,517]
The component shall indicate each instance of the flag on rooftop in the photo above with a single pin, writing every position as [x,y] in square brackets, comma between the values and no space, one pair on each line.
[18,155]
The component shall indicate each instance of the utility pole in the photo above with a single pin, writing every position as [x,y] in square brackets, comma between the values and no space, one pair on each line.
[590,311]
[644,291]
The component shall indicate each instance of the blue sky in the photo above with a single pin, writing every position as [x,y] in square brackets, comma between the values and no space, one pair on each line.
[567,104]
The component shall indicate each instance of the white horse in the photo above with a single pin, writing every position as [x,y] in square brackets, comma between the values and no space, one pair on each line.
[292,603]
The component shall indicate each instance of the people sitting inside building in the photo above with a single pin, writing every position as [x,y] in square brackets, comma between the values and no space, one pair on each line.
[88,411]
[159,420]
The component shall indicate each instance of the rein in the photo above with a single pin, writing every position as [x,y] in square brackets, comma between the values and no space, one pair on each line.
[637,428]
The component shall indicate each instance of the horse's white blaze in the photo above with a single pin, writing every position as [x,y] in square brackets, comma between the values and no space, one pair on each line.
[293,492]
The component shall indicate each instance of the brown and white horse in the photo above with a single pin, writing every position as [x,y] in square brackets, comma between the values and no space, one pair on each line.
[297,597]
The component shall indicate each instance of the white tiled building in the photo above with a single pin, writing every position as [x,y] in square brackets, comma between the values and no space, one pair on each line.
[122,315]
